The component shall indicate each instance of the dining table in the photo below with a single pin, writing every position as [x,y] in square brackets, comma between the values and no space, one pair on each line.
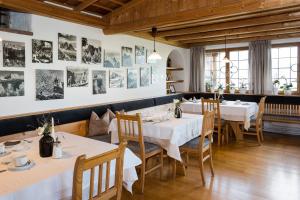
[51,178]
[162,128]
[237,113]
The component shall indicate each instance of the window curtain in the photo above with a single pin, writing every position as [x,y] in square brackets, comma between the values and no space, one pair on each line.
[197,69]
[260,67]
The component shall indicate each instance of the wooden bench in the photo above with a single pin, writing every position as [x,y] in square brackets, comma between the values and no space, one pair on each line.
[286,113]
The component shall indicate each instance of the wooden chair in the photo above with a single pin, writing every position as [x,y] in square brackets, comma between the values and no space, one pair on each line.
[256,124]
[202,145]
[83,164]
[130,130]
[221,125]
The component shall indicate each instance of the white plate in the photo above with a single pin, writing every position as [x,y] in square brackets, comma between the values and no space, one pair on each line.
[5,153]
[12,167]
[21,147]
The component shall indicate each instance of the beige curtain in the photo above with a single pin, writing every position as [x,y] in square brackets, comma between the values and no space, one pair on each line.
[260,67]
[197,69]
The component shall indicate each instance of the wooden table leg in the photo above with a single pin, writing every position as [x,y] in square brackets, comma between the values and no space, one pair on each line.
[237,130]
[178,168]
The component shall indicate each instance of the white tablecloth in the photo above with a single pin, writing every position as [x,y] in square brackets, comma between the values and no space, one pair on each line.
[230,111]
[169,134]
[52,179]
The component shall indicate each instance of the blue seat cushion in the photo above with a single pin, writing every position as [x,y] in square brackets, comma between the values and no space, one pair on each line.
[135,147]
[194,143]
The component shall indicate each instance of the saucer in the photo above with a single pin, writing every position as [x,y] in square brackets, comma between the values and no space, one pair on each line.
[12,167]
[5,153]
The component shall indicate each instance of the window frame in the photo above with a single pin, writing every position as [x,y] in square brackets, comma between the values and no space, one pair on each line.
[227,52]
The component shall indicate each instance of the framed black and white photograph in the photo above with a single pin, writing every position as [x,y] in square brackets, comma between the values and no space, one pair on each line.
[11,83]
[172,89]
[13,54]
[42,51]
[77,77]
[49,84]
[140,55]
[116,78]
[99,81]
[132,78]
[155,75]
[145,76]
[127,56]
[111,59]
[91,52]
[67,46]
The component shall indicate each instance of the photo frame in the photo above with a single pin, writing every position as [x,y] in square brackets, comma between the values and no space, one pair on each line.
[172,89]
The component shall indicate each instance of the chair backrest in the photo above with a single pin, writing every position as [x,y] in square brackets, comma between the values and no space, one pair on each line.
[261,105]
[84,164]
[207,127]
[259,119]
[211,105]
[130,129]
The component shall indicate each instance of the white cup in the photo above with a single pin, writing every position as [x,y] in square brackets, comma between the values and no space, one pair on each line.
[2,148]
[238,101]
[57,152]
[20,160]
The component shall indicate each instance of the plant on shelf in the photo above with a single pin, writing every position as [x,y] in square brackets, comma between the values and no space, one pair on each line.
[231,87]
[287,87]
[220,89]
[243,88]
[276,84]
[208,86]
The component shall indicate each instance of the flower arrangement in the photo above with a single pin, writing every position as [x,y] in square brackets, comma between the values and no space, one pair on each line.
[46,126]
[208,86]
[276,83]
[231,87]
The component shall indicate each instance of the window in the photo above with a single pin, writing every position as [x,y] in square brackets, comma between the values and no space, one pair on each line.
[239,67]
[284,65]
[215,69]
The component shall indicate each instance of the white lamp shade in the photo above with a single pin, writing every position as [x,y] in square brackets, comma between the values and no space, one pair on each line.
[226,60]
[154,56]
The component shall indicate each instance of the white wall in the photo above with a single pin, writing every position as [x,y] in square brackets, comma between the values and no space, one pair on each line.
[47,29]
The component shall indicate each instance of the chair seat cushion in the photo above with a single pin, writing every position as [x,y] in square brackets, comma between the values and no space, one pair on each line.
[135,147]
[194,143]
[102,138]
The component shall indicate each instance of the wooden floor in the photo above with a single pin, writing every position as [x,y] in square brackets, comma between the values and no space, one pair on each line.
[244,171]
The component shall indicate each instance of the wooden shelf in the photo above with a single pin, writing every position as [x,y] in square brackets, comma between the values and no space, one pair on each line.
[16,31]
[177,81]
[174,68]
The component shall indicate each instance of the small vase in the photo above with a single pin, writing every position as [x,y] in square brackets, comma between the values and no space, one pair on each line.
[288,92]
[232,90]
[275,91]
[243,90]
[221,91]
[46,146]
[178,112]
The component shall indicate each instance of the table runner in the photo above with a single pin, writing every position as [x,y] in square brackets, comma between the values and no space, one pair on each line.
[170,134]
[52,179]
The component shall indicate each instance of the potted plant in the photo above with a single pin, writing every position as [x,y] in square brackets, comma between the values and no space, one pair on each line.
[231,87]
[243,88]
[208,86]
[276,84]
[287,88]
[220,89]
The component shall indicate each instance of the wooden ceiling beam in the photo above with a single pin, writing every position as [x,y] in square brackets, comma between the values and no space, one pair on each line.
[172,13]
[85,4]
[271,37]
[240,36]
[117,2]
[286,17]
[102,7]
[48,10]
[244,30]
